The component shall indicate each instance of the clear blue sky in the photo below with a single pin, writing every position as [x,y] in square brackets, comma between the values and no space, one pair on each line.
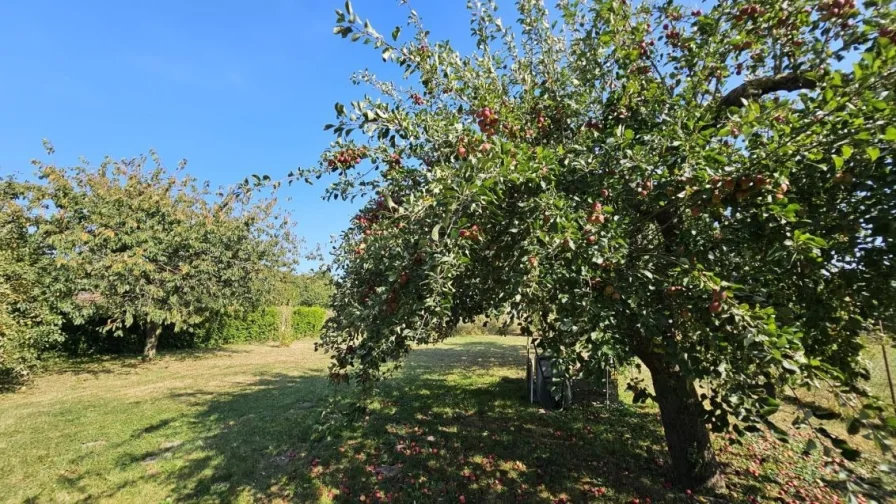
[235,87]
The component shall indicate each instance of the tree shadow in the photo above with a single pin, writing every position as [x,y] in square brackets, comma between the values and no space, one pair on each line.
[447,426]
[124,363]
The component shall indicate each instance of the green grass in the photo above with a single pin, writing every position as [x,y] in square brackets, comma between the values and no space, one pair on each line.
[261,424]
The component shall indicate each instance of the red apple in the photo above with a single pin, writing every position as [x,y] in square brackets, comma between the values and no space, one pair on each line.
[604,193]
[715,307]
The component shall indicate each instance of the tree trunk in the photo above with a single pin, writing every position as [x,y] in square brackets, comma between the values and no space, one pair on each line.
[152,340]
[694,463]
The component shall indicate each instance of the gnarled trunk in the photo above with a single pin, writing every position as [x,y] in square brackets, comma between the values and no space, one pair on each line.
[152,340]
[694,462]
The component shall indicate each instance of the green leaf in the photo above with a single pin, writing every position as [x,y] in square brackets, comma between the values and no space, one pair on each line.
[838,162]
[435,232]
[340,109]
[348,8]
[847,151]
[873,153]
[768,411]
[396,32]
[890,134]
[387,52]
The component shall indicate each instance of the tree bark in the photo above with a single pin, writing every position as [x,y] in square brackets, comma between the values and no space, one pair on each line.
[152,340]
[694,463]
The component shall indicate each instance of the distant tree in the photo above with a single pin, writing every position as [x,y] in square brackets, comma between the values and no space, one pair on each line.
[149,248]
[632,180]
[303,289]
[314,289]
[29,314]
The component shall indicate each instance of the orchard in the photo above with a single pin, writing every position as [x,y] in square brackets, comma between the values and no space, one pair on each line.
[709,192]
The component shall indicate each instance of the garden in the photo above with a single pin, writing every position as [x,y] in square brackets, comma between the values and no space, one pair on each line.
[698,201]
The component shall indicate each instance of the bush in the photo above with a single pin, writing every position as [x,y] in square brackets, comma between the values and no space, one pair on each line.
[483,326]
[257,326]
[307,321]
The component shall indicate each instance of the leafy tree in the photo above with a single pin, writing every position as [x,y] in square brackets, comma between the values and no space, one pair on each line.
[303,289]
[710,192]
[147,248]
[29,317]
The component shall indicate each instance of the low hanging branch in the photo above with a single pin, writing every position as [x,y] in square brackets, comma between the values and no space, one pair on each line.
[762,86]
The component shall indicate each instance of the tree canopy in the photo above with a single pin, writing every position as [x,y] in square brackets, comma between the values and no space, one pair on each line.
[29,308]
[710,192]
[142,247]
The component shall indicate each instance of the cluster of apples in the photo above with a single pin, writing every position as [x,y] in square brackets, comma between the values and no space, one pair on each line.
[836,9]
[347,158]
[672,34]
[487,120]
[742,187]
[417,99]
[644,188]
[597,211]
[644,47]
[749,12]
[612,293]
[469,234]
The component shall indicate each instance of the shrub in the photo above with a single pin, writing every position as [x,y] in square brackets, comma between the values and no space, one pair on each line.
[307,321]
[256,326]
[483,326]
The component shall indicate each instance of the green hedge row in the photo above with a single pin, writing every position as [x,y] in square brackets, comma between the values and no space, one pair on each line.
[283,323]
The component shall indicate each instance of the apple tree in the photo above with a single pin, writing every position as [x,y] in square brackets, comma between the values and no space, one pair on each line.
[150,249]
[710,192]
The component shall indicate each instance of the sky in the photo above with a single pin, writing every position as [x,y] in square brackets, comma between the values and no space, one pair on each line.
[234,87]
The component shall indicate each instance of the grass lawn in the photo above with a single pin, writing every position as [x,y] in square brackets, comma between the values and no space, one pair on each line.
[262,424]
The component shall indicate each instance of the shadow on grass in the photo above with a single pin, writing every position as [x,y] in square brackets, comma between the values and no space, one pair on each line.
[122,363]
[447,426]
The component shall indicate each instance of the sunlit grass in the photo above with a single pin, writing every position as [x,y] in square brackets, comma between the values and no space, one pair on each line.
[261,423]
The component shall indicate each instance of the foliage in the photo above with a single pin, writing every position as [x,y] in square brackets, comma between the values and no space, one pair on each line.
[255,326]
[632,181]
[304,289]
[29,319]
[308,321]
[150,249]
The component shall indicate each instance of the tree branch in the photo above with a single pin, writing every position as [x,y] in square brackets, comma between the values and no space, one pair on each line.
[762,86]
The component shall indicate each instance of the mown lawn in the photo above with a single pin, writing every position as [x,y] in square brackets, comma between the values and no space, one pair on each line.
[262,424]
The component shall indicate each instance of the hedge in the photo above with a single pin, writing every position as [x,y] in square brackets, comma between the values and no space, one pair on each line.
[283,323]
[307,321]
